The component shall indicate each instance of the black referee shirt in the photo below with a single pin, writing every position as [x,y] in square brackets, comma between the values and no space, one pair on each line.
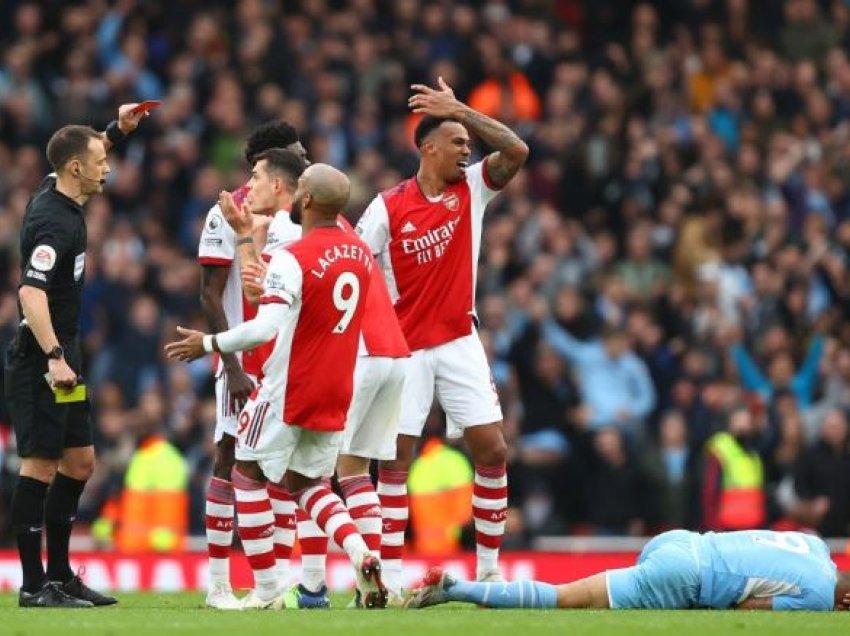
[53,254]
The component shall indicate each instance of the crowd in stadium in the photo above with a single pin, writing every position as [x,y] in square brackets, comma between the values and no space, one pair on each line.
[663,291]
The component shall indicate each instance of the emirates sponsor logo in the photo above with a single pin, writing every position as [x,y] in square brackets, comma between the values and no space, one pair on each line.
[433,244]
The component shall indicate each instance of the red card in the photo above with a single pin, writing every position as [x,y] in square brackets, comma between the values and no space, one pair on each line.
[146,106]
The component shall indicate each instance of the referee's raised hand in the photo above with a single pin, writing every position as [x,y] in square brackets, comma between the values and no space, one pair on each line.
[128,120]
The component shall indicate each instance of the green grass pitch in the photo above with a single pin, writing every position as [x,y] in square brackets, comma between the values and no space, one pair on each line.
[167,614]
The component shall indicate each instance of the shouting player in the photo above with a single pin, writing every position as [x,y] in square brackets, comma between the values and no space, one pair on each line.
[315,292]
[751,569]
[224,306]
[427,231]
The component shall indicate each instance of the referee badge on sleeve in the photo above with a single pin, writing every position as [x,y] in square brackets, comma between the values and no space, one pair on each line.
[43,258]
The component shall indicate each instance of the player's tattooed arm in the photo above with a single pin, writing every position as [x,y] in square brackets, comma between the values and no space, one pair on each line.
[510,151]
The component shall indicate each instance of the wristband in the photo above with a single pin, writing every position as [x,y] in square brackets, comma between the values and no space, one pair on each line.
[244,239]
[208,343]
[114,133]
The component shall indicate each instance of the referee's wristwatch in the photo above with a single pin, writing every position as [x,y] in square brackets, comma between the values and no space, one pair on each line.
[56,353]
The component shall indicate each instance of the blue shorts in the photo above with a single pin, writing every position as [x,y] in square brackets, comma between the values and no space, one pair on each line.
[667,575]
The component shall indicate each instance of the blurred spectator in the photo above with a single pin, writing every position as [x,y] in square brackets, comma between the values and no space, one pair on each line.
[733,480]
[822,479]
[616,487]
[781,374]
[151,512]
[615,386]
[670,470]
[440,487]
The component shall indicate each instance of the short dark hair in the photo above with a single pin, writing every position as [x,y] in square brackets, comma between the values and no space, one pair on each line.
[272,134]
[283,162]
[69,142]
[426,125]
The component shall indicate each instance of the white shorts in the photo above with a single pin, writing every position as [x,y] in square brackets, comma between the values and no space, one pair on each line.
[372,423]
[264,437]
[225,416]
[459,372]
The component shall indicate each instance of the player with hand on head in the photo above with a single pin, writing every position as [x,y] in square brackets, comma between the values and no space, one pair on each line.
[750,569]
[224,304]
[426,231]
[290,429]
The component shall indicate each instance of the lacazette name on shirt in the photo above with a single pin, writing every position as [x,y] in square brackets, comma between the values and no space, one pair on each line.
[340,252]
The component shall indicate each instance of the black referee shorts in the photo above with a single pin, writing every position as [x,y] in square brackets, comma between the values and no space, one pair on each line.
[42,427]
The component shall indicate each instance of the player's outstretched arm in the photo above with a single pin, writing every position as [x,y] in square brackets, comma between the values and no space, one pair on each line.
[510,151]
[249,334]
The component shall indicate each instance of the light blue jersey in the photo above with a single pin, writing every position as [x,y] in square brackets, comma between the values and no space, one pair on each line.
[680,570]
[792,568]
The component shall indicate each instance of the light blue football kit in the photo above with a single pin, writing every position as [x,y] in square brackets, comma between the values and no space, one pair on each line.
[681,569]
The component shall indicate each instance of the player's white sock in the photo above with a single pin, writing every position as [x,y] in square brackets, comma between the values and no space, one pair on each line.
[365,509]
[283,507]
[219,522]
[256,532]
[314,550]
[489,509]
[328,511]
[392,494]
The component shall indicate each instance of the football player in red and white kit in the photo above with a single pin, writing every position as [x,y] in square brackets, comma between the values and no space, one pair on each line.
[224,305]
[372,421]
[272,177]
[426,231]
[315,295]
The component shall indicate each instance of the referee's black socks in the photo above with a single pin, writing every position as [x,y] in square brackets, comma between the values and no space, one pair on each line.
[27,517]
[60,510]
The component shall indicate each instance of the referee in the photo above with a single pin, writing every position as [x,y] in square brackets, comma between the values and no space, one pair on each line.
[49,411]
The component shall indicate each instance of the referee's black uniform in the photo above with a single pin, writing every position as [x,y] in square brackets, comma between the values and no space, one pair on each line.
[53,428]
[53,256]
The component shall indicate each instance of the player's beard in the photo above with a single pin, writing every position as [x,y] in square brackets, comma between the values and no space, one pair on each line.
[295,214]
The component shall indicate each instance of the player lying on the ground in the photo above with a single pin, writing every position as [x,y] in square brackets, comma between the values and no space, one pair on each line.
[753,569]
